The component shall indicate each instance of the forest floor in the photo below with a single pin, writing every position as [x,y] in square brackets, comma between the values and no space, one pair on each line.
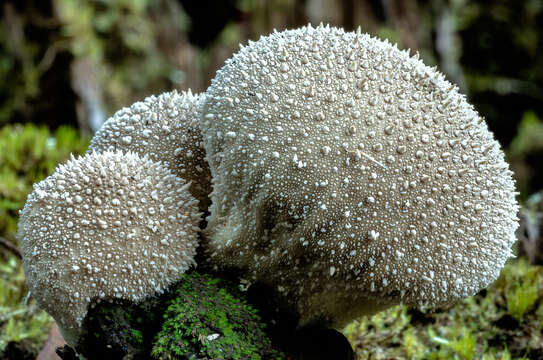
[504,321]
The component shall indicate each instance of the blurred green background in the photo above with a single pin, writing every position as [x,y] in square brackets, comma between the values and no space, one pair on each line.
[66,65]
[74,62]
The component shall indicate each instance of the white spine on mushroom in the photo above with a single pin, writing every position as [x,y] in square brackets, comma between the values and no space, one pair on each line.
[105,226]
[165,128]
[351,176]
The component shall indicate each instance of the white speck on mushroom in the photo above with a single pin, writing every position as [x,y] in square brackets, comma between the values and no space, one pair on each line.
[374,235]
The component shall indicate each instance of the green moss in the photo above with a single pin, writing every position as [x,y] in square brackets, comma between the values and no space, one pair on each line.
[522,295]
[207,320]
[121,329]
[525,151]
[136,336]
[19,322]
[462,343]
[529,136]
[27,155]
[502,322]
[413,347]
[185,319]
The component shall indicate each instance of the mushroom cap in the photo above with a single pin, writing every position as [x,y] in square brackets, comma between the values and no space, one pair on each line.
[352,177]
[165,128]
[105,226]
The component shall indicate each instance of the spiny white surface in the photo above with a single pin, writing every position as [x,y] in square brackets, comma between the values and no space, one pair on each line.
[351,176]
[165,128]
[105,226]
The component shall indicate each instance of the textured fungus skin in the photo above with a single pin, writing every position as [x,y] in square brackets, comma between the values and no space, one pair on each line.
[165,128]
[105,226]
[350,176]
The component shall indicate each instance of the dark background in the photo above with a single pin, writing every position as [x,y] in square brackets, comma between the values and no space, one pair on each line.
[75,62]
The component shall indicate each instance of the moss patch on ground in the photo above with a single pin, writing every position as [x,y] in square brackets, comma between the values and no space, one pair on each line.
[504,321]
[201,317]
[27,155]
[207,320]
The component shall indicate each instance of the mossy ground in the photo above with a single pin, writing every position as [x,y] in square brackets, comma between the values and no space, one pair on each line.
[503,322]
[27,155]
[122,330]
[201,317]
[19,323]
[207,320]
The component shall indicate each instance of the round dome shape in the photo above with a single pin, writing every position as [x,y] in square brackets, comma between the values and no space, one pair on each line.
[352,177]
[105,226]
[165,128]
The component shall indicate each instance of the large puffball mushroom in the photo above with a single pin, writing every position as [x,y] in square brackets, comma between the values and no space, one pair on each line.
[351,177]
[165,128]
[105,226]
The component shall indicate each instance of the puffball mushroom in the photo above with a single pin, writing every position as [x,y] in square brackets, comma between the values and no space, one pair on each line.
[165,128]
[352,177]
[105,226]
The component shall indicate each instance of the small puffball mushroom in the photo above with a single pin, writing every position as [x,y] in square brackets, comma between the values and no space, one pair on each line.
[352,177]
[165,128]
[105,226]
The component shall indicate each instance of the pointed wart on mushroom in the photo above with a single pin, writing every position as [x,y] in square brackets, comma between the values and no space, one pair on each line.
[357,178]
[105,226]
[165,128]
